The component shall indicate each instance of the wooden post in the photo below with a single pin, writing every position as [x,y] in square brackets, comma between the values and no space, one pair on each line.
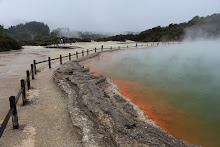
[69,56]
[35,69]
[95,50]
[87,52]
[28,79]
[136,44]
[76,54]
[49,62]
[60,59]
[83,53]
[32,71]
[23,92]
[14,112]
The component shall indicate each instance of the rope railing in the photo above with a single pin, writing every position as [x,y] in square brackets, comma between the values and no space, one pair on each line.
[22,91]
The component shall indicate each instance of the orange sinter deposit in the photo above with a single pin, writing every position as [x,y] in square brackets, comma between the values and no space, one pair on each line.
[153,101]
[164,115]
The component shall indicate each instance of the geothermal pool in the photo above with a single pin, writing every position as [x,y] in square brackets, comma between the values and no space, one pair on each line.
[178,86]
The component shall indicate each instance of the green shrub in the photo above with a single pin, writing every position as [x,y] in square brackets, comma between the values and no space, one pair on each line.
[7,43]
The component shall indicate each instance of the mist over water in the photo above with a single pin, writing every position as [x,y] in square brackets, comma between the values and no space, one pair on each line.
[188,75]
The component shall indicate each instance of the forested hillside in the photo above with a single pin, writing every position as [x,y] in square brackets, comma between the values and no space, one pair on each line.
[197,27]
[29,31]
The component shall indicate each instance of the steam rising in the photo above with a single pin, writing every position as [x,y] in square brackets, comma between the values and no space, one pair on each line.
[65,32]
[185,76]
[204,32]
[189,71]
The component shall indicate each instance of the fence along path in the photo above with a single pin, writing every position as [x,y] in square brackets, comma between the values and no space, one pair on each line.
[25,83]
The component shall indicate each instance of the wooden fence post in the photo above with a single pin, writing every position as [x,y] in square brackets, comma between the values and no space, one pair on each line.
[23,92]
[87,52]
[32,71]
[14,112]
[49,62]
[76,54]
[28,79]
[35,69]
[83,53]
[69,56]
[60,59]
[95,50]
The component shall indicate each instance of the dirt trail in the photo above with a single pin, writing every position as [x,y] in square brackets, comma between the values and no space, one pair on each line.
[45,120]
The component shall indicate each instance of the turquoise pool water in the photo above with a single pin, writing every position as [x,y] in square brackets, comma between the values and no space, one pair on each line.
[184,76]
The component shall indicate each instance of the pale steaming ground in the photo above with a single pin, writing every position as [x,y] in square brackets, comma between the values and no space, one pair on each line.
[189,73]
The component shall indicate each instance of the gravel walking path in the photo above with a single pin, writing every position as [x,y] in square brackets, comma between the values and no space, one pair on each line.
[45,120]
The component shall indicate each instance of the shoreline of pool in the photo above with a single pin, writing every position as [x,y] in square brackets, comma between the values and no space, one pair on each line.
[138,129]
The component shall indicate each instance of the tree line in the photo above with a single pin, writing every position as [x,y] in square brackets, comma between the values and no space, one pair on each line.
[38,33]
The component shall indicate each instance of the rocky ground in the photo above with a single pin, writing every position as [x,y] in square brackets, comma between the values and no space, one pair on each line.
[102,115]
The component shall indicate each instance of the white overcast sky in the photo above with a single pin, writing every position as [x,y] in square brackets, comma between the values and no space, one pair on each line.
[104,15]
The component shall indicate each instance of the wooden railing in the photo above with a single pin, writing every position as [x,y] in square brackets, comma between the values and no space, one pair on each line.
[33,71]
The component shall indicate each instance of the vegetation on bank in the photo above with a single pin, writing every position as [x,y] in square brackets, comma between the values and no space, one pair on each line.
[7,43]
[197,27]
